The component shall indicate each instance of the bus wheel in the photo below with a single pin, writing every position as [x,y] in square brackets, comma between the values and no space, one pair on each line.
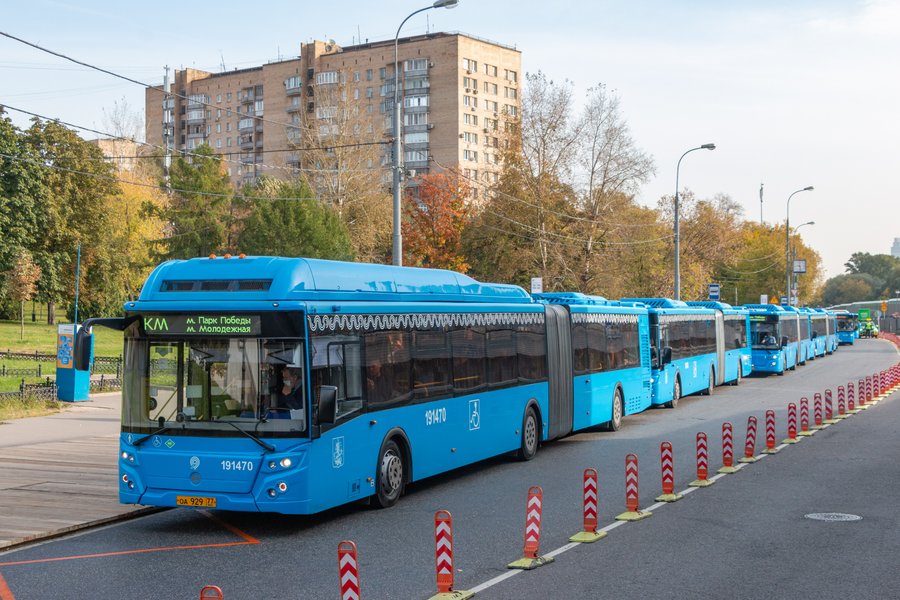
[618,411]
[390,477]
[712,383]
[737,380]
[530,435]
[676,394]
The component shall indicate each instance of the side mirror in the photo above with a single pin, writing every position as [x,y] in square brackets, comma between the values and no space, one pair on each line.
[84,342]
[667,355]
[784,341]
[815,334]
[327,404]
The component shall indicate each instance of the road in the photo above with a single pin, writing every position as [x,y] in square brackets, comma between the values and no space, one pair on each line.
[744,537]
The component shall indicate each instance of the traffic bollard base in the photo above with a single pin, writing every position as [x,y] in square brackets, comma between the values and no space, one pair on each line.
[701,483]
[792,440]
[669,498]
[832,421]
[728,470]
[527,564]
[587,537]
[634,515]
[748,459]
[809,433]
[456,595]
[771,451]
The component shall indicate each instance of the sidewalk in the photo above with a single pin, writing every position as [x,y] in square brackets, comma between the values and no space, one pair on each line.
[59,473]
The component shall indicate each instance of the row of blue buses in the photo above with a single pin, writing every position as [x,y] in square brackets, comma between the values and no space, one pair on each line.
[784,337]
[294,385]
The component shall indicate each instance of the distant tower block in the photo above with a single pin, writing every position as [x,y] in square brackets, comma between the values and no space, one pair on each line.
[895,249]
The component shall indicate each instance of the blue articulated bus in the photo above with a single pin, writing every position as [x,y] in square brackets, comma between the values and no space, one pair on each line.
[773,338]
[682,349]
[732,343]
[830,321]
[805,343]
[818,324]
[295,385]
[847,326]
[610,358]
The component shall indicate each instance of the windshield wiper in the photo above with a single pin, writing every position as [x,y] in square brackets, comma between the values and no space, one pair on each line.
[268,447]
[162,429]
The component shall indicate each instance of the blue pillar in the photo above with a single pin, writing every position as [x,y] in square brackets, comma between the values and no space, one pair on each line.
[72,385]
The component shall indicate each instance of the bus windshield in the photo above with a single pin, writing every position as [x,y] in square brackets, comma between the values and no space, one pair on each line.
[215,385]
[847,323]
[764,335]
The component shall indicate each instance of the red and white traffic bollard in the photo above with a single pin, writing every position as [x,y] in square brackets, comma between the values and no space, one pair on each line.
[792,425]
[750,443]
[863,396]
[702,463]
[842,407]
[770,433]
[348,569]
[868,388]
[211,592]
[533,511]
[632,501]
[667,464]
[804,419]
[851,404]
[589,531]
[829,409]
[727,449]
[443,557]
[817,411]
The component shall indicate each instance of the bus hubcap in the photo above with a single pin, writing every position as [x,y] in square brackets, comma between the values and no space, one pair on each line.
[392,469]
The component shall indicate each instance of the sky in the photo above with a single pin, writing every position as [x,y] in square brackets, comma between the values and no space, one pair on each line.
[793,94]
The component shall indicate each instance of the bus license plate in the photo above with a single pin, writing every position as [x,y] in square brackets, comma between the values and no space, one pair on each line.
[198,501]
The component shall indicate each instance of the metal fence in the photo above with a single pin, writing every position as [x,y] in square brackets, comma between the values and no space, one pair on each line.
[46,390]
[107,365]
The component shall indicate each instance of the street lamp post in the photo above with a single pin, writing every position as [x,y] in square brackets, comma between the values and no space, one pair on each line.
[795,280]
[677,223]
[787,243]
[396,164]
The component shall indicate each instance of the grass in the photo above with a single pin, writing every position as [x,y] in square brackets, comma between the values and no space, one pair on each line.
[41,338]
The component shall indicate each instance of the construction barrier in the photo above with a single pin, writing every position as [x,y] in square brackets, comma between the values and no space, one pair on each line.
[804,418]
[211,592]
[817,411]
[589,531]
[770,433]
[727,449]
[667,464]
[443,558]
[533,511]
[632,501]
[750,443]
[702,463]
[348,570]
[792,425]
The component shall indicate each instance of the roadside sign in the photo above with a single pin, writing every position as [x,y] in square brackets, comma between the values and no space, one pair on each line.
[714,290]
[800,266]
[864,314]
[763,298]
[884,306]
[784,300]
[537,285]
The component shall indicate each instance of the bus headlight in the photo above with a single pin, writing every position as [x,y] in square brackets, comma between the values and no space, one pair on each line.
[286,462]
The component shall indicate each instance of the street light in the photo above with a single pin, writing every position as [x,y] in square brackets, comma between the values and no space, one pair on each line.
[396,164]
[787,243]
[795,281]
[677,227]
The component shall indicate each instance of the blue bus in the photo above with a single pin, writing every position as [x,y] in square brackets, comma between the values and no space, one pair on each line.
[295,385]
[610,347]
[805,343]
[818,323]
[847,326]
[682,349]
[830,320]
[774,340]
[732,343]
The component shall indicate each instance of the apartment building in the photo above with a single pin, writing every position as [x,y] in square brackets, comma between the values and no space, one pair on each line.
[290,115]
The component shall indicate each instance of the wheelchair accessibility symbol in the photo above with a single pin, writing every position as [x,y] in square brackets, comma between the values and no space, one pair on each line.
[474,414]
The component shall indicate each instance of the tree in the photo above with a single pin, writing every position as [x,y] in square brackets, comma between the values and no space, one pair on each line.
[854,287]
[21,285]
[435,218]
[882,267]
[200,215]
[291,223]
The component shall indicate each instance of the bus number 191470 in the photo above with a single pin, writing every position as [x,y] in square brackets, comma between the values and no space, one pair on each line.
[434,416]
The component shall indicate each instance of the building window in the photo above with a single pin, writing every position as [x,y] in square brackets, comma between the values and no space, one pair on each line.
[228,142]
[470,155]
[368,74]
[259,107]
[227,112]
[293,83]
[415,156]
[490,105]
[218,98]
[369,92]
[470,83]
[490,124]
[470,65]
[356,93]
[228,126]
[416,64]
[415,119]
[510,93]
[471,138]
[412,101]
[470,101]
[416,138]
[218,128]
[470,119]
[218,142]
[326,77]
[382,72]
[490,70]
[511,110]
[490,88]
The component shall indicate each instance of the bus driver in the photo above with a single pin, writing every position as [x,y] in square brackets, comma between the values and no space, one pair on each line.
[292,389]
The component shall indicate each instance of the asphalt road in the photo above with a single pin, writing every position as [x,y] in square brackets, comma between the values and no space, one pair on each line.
[744,537]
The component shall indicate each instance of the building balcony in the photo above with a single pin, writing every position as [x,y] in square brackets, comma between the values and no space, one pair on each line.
[245,125]
[416,109]
[246,143]
[294,90]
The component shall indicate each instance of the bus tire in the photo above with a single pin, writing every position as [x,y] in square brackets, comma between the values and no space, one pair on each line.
[712,383]
[531,435]
[676,394]
[618,412]
[781,372]
[737,380]
[390,477]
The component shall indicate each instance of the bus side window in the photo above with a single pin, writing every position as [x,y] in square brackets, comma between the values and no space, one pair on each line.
[469,358]
[431,364]
[502,357]
[531,344]
[387,367]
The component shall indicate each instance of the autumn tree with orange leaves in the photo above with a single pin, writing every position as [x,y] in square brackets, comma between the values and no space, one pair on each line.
[436,213]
